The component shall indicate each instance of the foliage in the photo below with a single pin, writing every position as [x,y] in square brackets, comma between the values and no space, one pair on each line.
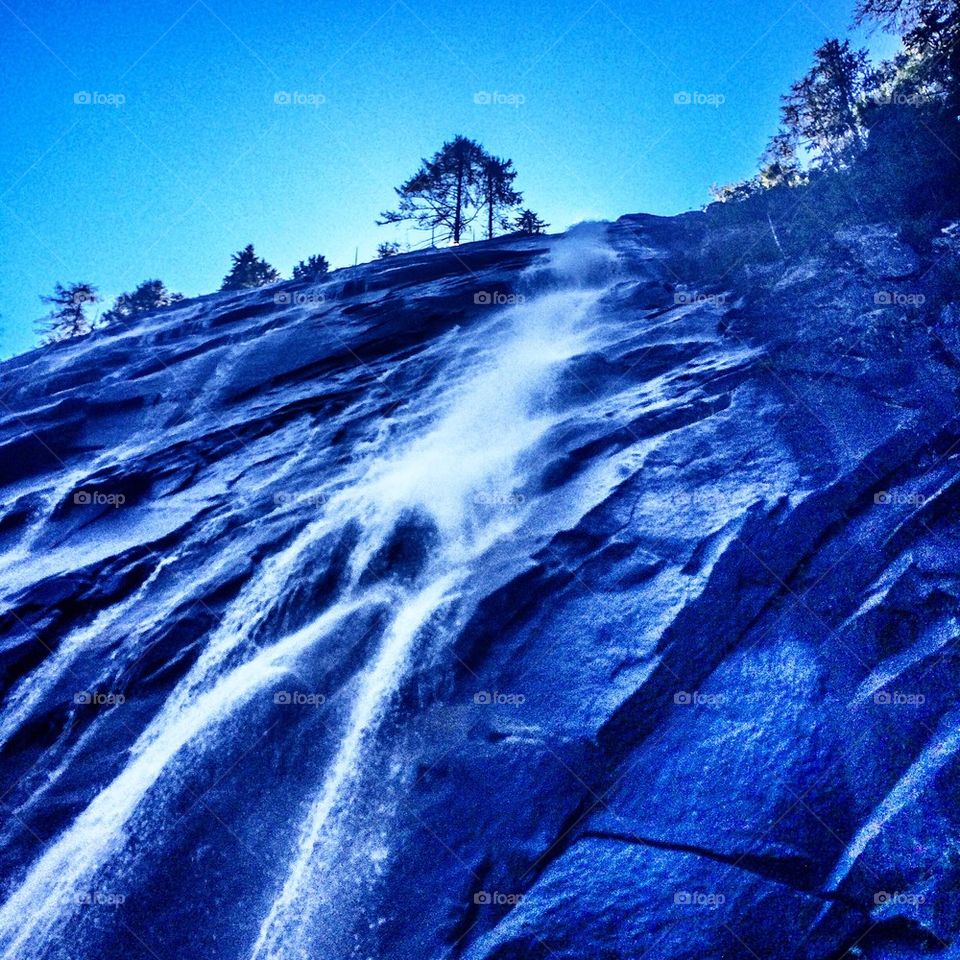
[861,143]
[820,114]
[148,296]
[496,192]
[451,189]
[779,164]
[313,268]
[529,223]
[735,192]
[249,271]
[68,312]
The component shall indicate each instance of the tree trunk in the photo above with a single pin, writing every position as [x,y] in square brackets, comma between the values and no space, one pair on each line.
[458,212]
[489,209]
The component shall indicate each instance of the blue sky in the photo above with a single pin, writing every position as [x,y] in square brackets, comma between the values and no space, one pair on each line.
[186,155]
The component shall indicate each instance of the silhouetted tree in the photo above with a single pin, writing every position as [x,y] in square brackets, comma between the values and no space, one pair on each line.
[68,314]
[821,111]
[442,193]
[931,33]
[389,248]
[149,296]
[529,223]
[496,191]
[313,268]
[779,164]
[248,271]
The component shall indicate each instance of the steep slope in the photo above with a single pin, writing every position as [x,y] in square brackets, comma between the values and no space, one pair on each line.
[520,600]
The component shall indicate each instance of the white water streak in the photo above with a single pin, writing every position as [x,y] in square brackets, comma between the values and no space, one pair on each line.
[44,899]
[493,418]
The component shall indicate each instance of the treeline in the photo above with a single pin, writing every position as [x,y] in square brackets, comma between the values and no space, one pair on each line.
[69,305]
[445,196]
[860,142]
[69,315]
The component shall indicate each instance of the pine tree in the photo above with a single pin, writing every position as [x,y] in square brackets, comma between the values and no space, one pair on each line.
[443,192]
[388,249]
[68,317]
[249,271]
[312,269]
[931,34]
[530,224]
[496,191]
[149,296]
[821,112]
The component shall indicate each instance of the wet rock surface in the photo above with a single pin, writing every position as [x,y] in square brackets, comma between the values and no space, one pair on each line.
[529,599]
[879,250]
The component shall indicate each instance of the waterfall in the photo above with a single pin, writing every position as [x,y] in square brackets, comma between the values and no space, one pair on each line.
[450,454]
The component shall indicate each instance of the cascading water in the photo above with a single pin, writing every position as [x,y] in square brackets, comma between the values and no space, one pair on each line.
[433,474]
[471,452]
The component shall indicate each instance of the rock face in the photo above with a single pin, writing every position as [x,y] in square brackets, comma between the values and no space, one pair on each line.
[877,248]
[530,599]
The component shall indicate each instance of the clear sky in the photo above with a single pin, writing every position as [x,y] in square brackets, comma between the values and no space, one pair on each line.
[183,154]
